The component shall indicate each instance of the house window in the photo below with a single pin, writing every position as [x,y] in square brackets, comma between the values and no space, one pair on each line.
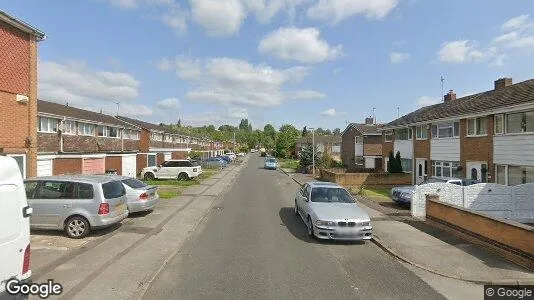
[476,126]
[86,129]
[157,137]
[102,131]
[69,127]
[388,135]
[113,132]
[421,133]
[445,168]
[358,139]
[168,138]
[151,160]
[406,164]
[21,162]
[514,175]
[47,124]
[403,134]
[520,122]
[134,135]
[501,174]
[499,124]
[446,130]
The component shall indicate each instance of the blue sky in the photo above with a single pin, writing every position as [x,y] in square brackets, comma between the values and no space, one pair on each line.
[304,62]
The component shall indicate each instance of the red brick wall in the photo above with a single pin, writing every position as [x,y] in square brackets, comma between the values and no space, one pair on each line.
[372,145]
[477,148]
[62,166]
[48,142]
[79,143]
[160,158]
[141,162]
[386,148]
[347,147]
[421,149]
[179,155]
[131,145]
[114,162]
[144,142]
[15,56]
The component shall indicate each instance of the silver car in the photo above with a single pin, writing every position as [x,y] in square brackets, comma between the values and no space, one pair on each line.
[140,196]
[330,212]
[75,204]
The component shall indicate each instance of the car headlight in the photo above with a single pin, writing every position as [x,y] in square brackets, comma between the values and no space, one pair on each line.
[325,223]
[365,224]
[407,194]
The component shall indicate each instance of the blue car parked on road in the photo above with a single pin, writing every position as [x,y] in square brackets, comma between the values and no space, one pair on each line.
[218,161]
[226,158]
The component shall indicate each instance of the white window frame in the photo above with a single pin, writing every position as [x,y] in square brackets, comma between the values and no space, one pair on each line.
[168,138]
[390,134]
[451,125]
[408,131]
[108,132]
[505,173]
[419,133]
[49,128]
[70,130]
[506,123]
[476,127]
[134,134]
[158,137]
[503,123]
[439,163]
[24,169]
[83,126]
[104,131]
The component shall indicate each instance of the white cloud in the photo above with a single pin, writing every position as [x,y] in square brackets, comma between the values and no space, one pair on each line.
[505,38]
[499,61]
[398,57]
[519,22]
[335,11]
[461,51]
[307,95]
[169,103]
[524,42]
[237,112]
[265,10]
[329,112]
[237,82]
[426,100]
[299,44]
[134,110]
[175,18]
[220,117]
[126,4]
[219,17]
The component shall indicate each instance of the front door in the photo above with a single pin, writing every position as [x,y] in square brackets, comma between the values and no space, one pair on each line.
[477,171]
[421,168]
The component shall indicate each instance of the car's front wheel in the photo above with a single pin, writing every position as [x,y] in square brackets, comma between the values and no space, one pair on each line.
[296,209]
[183,176]
[149,176]
[310,228]
[77,227]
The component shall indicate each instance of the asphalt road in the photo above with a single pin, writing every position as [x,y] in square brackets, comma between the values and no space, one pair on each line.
[252,246]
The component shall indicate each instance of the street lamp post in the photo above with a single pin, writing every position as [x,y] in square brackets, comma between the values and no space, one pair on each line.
[313,151]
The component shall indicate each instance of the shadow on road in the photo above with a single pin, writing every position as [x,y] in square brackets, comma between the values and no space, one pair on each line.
[297,228]
[139,214]
[94,232]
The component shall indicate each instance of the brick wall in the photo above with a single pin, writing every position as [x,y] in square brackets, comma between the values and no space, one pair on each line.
[48,142]
[386,148]
[382,180]
[63,166]
[421,149]
[15,56]
[141,162]
[477,148]
[144,142]
[79,143]
[131,145]
[179,155]
[372,145]
[160,158]
[510,239]
[114,162]
[347,147]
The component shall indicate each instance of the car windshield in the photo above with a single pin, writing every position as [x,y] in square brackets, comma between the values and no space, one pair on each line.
[271,160]
[134,183]
[331,195]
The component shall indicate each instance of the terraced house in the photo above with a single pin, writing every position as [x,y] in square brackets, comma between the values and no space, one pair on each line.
[361,145]
[487,136]
[18,92]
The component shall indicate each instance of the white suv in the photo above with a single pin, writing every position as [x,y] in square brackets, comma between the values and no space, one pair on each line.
[173,169]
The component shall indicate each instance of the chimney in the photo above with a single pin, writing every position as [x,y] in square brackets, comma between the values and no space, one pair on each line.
[451,95]
[501,83]
[369,121]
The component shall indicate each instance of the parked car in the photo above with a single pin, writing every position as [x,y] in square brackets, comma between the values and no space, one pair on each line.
[231,155]
[140,196]
[330,212]
[241,154]
[404,194]
[226,158]
[76,204]
[180,169]
[214,162]
[263,152]
[252,150]
[270,163]
[14,226]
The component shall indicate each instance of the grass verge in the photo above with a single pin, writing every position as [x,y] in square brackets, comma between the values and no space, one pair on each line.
[169,194]
[288,163]
[380,195]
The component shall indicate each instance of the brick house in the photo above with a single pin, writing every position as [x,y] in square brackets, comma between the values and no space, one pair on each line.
[361,145]
[77,141]
[18,92]
[487,136]
[159,143]
[330,144]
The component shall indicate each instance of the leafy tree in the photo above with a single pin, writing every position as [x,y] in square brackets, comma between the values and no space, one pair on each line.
[269,136]
[179,124]
[306,154]
[243,125]
[286,140]
[304,131]
[195,155]
[391,162]
[337,131]
[398,162]
[328,132]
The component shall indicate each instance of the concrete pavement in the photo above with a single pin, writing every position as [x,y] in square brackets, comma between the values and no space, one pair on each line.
[121,263]
[438,252]
[254,247]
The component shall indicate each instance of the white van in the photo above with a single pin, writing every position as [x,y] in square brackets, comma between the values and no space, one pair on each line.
[14,225]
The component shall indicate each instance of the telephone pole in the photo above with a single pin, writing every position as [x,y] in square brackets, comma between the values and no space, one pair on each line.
[442,95]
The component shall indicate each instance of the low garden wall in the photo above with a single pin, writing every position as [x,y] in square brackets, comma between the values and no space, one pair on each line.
[370,180]
[510,239]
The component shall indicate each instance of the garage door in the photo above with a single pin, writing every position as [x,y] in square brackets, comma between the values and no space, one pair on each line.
[369,162]
[94,166]
[168,156]
[129,166]
[44,167]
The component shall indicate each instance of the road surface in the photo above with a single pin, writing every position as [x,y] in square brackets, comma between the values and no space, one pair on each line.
[252,246]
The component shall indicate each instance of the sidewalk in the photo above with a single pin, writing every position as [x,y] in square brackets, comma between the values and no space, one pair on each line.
[426,247]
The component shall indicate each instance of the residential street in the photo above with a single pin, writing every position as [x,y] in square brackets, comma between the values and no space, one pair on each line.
[252,246]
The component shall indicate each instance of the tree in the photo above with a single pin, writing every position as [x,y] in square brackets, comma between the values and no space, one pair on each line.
[195,155]
[249,127]
[328,132]
[391,163]
[306,154]
[337,131]
[243,125]
[304,131]
[398,162]
[286,140]
[179,124]
[395,165]
[269,136]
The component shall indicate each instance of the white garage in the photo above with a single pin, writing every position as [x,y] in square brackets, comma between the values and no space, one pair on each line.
[168,156]
[129,165]
[44,166]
